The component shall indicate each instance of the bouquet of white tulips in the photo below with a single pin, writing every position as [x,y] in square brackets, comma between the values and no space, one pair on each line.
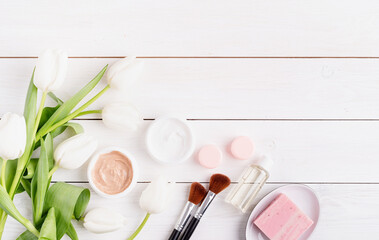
[54,205]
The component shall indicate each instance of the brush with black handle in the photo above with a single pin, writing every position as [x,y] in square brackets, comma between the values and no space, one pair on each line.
[217,184]
[196,195]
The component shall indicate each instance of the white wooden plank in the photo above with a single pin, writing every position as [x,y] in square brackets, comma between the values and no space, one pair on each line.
[225,88]
[311,151]
[347,212]
[191,28]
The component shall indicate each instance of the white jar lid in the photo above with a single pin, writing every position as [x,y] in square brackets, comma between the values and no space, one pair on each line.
[170,140]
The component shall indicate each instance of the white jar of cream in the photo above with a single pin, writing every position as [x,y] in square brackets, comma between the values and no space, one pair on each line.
[170,140]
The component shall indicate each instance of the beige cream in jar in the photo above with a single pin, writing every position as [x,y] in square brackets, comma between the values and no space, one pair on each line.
[112,172]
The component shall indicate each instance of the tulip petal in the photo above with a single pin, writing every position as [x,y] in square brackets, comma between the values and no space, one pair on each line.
[102,220]
[128,76]
[61,59]
[50,70]
[75,151]
[156,197]
[124,73]
[122,117]
[45,70]
[12,136]
[118,66]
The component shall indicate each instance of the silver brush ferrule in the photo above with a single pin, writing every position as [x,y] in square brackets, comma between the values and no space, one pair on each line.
[203,207]
[184,216]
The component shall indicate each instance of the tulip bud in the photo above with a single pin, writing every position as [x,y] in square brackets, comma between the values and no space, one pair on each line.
[12,136]
[124,73]
[75,151]
[50,70]
[101,220]
[156,197]
[122,116]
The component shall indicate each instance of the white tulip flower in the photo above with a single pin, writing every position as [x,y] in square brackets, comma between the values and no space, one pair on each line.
[51,69]
[75,151]
[12,136]
[124,73]
[156,197]
[102,220]
[122,117]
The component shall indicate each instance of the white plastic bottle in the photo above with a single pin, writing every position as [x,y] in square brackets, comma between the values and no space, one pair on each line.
[250,183]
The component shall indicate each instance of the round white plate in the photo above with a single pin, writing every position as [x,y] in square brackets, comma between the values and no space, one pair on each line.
[301,195]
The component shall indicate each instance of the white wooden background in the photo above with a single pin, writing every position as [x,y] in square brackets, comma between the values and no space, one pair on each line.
[300,77]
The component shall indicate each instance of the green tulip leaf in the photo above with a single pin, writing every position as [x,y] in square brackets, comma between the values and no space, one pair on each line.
[40,183]
[72,233]
[24,186]
[27,236]
[47,112]
[20,189]
[70,104]
[58,131]
[30,168]
[32,164]
[7,205]
[76,127]
[49,147]
[68,201]
[55,98]
[30,111]
[9,172]
[49,228]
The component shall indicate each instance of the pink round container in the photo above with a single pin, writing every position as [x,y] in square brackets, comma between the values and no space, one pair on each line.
[209,156]
[241,148]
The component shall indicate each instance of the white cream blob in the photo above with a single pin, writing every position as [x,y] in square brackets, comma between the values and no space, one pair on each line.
[170,140]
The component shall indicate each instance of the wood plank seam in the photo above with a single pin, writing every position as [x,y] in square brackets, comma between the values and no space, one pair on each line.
[210,57]
[269,183]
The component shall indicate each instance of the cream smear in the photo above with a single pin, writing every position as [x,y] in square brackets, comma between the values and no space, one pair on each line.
[170,140]
[112,172]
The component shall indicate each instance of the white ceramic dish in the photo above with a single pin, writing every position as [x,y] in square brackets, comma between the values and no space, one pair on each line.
[301,195]
[152,143]
[92,164]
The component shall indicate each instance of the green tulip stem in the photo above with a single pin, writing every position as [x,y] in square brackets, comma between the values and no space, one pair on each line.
[3,219]
[89,112]
[81,219]
[3,168]
[140,227]
[23,160]
[31,227]
[39,114]
[52,171]
[72,115]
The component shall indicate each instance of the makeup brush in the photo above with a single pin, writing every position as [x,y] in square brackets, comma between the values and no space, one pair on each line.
[217,184]
[196,195]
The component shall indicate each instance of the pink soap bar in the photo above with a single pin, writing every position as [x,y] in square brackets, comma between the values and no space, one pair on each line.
[241,148]
[283,220]
[209,156]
